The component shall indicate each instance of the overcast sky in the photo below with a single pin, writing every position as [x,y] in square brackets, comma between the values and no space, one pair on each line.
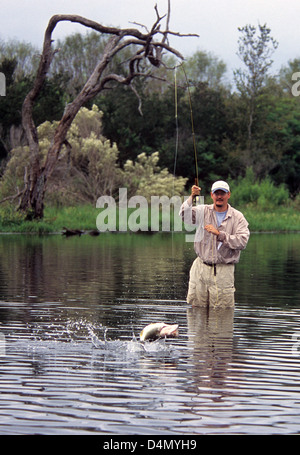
[216,22]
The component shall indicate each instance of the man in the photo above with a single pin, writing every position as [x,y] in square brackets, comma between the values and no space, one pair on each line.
[221,235]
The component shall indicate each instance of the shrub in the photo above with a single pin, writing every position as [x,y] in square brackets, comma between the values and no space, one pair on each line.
[262,194]
[144,177]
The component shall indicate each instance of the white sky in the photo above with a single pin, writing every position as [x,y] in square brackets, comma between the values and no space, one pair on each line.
[216,21]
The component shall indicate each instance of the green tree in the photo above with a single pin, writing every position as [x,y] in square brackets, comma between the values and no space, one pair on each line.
[204,67]
[88,168]
[81,176]
[210,127]
[25,56]
[135,133]
[285,134]
[145,177]
[49,104]
[76,58]
[255,48]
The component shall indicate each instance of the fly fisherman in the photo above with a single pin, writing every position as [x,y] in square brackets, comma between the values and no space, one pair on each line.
[221,234]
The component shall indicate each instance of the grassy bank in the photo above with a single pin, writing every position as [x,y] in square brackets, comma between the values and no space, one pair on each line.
[281,219]
[55,219]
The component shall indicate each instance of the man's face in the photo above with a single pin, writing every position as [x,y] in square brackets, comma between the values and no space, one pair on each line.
[220,199]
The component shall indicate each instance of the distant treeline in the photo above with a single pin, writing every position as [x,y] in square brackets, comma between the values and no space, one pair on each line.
[253,127]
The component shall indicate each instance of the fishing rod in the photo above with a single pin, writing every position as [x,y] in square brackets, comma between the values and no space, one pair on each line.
[196,198]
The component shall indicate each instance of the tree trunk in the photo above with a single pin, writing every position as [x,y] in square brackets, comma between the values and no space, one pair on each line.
[32,202]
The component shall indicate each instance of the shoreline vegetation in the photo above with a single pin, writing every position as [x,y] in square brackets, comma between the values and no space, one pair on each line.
[247,135]
[283,219]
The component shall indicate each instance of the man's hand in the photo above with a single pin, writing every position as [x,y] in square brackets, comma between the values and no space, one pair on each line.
[212,229]
[195,191]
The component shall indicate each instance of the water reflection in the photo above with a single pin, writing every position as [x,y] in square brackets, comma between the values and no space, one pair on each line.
[54,268]
[268,273]
[211,333]
[70,309]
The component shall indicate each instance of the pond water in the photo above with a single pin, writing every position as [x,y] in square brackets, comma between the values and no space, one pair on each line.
[71,310]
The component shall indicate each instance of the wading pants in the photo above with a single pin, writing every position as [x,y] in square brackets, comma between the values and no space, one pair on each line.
[211,285]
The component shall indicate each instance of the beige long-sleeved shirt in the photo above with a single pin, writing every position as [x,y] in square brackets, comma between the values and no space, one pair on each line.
[224,248]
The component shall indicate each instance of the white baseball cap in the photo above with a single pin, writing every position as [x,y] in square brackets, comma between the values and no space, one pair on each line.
[220,185]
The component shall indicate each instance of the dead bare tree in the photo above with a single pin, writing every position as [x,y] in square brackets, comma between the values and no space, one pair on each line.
[144,48]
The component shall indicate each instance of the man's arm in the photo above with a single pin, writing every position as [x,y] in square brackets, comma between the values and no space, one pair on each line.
[238,240]
[187,212]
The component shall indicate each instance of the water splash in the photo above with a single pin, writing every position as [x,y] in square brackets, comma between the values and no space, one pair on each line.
[98,335]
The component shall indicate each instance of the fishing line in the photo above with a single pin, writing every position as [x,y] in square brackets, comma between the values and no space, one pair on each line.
[192,121]
[192,124]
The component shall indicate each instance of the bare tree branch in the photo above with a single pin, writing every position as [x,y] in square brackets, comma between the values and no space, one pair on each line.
[145,48]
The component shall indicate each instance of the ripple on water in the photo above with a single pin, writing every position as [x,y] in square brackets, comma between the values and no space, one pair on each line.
[69,376]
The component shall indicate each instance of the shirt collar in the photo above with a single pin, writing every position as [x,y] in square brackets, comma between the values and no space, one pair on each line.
[229,210]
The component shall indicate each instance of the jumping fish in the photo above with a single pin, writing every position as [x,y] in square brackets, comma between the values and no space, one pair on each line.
[158,330]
